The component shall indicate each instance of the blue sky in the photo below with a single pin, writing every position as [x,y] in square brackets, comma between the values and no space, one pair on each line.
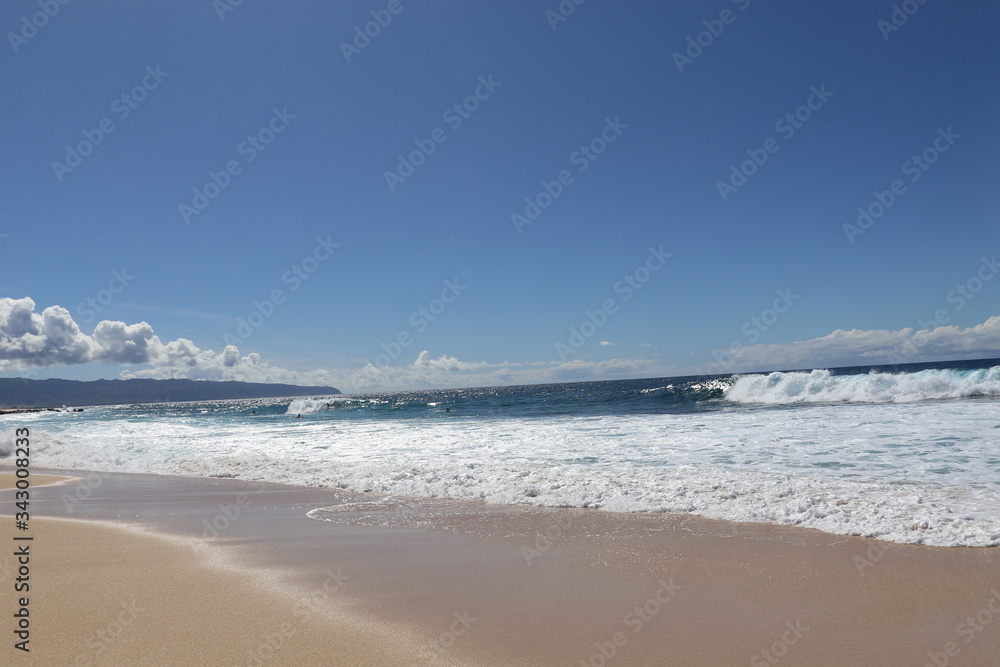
[200,81]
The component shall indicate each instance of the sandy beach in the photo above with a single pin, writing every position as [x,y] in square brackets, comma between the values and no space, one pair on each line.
[142,569]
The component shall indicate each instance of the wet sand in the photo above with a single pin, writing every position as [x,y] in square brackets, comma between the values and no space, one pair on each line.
[8,480]
[222,571]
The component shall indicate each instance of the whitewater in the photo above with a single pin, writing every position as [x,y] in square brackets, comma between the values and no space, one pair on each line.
[909,457]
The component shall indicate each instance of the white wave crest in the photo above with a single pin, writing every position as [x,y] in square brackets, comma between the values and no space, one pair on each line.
[820,386]
[38,440]
[7,439]
[308,406]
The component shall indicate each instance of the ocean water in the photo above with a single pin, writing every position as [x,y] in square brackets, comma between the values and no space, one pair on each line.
[906,454]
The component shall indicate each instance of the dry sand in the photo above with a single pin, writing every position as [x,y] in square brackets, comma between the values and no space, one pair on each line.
[160,570]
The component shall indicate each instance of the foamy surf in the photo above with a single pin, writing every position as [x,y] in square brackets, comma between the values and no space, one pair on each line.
[906,457]
[308,406]
[821,386]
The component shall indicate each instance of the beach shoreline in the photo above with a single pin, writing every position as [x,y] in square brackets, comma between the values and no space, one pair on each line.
[425,581]
[8,480]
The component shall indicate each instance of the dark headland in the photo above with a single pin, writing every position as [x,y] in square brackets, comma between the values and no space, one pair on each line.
[25,393]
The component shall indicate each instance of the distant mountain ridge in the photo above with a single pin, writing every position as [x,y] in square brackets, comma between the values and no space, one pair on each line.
[25,393]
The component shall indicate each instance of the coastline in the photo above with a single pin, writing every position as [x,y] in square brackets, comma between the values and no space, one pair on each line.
[468,583]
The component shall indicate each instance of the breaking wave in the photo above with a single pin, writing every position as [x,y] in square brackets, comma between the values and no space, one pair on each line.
[820,386]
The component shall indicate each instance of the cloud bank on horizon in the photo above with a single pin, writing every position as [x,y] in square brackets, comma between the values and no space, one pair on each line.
[30,340]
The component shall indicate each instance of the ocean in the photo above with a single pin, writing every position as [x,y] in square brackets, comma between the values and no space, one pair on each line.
[908,454]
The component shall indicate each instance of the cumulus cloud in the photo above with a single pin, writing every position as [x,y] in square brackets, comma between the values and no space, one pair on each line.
[123,343]
[445,363]
[51,338]
[430,373]
[867,347]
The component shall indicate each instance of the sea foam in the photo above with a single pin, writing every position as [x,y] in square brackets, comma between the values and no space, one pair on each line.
[907,472]
[820,386]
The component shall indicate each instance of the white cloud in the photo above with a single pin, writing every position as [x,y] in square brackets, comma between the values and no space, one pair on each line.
[51,338]
[445,363]
[123,343]
[867,347]
[445,371]
[607,343]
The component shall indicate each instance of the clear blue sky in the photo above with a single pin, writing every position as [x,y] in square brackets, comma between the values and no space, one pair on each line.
[323,176]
